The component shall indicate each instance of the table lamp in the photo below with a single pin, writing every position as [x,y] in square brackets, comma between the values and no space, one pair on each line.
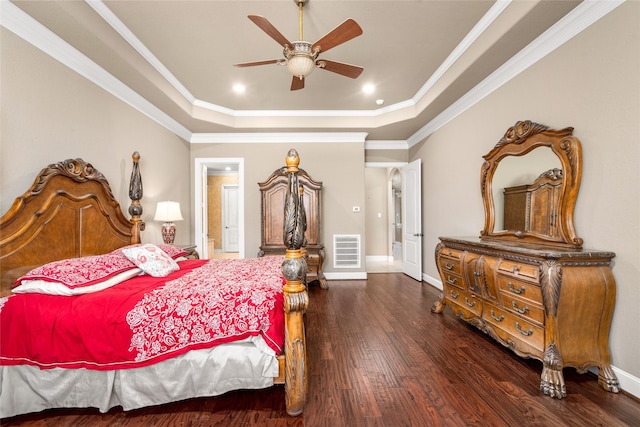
[168,212]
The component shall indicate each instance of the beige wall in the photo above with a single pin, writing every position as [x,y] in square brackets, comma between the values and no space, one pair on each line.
[339,166]
[593,84]
[49,113]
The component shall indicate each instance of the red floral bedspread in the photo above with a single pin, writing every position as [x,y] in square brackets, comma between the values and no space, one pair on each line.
[145,320]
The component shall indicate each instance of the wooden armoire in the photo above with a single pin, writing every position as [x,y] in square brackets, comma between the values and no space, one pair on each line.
[272,197]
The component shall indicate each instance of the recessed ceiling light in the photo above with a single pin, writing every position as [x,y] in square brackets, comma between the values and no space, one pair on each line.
[238,88]
[368,88]
[379,101]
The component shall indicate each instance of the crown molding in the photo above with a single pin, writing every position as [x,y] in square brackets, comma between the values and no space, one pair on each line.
[580,18]
[482,25]
[386,145]
[406,107]
[279,137]
[106,14]
[24,26]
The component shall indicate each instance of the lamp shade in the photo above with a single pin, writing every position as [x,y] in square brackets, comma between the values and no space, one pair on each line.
[168,212]
[300,65]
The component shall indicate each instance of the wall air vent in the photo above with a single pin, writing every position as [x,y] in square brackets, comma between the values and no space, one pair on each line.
[346,251]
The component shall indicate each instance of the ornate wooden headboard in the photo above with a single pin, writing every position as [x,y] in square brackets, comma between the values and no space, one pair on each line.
[69,211]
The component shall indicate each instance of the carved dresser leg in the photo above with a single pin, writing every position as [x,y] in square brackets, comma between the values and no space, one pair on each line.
[552,379]
[439,305]
[607,379]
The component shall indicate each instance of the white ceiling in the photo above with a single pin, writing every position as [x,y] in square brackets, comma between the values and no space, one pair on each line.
[177,57]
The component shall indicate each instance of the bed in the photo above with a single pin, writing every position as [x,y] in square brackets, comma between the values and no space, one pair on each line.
[92,317]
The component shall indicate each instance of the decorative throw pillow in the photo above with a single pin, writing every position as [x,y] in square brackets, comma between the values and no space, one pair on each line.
[171,250]
[151,259]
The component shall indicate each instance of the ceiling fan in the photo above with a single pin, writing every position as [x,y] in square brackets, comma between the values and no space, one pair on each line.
[300,57]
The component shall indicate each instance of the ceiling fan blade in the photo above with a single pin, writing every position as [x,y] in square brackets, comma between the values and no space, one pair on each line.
[347,70]
[297,83]
[252,64]
[268,28]
[346,31]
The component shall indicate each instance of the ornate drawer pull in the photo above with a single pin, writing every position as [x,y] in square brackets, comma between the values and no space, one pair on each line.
[454,296]
[448,266]
[450,280]
[515,269]
[519,310]
[470,304]
[525,333]
[514,290]
[496,318]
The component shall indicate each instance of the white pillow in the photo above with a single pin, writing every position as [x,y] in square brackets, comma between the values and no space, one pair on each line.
[151,259]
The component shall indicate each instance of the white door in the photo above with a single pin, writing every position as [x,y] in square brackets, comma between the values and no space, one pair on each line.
[202,244]
[230,218]
[412,220]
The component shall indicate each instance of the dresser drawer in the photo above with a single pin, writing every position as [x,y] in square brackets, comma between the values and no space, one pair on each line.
[464,302]
[452,280]
[527,309]
[519,328]
[449,261]
[451,253]
[528,272]
[510,286]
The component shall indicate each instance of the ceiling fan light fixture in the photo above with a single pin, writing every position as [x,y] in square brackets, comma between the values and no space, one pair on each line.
[300,60]
[300,56]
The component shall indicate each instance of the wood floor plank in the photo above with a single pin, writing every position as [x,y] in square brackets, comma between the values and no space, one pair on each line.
[377,356]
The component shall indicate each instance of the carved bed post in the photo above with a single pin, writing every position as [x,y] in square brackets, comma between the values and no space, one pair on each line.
[135,194]
[303,248]
[296,299]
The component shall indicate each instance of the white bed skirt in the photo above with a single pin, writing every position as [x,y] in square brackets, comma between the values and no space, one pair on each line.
[248,364]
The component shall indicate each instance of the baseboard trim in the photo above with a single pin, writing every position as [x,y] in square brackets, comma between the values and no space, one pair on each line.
[357,275]
[436,283]
[378,258]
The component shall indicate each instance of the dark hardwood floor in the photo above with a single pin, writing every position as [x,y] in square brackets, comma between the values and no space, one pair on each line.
[377,356]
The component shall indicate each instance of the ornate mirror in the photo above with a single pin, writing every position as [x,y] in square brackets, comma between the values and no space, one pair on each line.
[529,183]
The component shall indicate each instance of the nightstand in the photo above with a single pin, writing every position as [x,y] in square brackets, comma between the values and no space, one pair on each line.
[191,249]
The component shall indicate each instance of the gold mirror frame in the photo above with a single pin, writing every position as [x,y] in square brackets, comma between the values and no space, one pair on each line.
[519,140]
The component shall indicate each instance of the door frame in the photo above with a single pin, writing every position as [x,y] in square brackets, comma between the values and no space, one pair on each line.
[201,165]
[390,227]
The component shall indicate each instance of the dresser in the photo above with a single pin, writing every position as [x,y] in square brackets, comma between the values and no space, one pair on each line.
[272,199]
[552,305]
[536,291]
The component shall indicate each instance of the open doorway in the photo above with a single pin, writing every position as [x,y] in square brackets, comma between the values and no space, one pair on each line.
[395,230]
[383,221]
[219,207]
